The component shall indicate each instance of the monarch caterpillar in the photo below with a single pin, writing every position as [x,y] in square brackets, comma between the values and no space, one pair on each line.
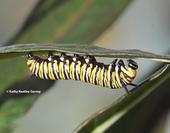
[84,68]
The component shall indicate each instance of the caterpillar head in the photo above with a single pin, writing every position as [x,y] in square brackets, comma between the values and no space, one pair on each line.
[132,64]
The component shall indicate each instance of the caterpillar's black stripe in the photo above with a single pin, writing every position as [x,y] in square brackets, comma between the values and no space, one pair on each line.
[84,68]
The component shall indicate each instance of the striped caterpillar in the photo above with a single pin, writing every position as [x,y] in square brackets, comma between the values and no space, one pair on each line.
[84,68]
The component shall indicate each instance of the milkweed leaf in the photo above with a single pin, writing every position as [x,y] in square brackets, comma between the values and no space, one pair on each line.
[23,49]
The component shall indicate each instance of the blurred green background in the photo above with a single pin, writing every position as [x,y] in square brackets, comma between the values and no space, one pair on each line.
[111,24]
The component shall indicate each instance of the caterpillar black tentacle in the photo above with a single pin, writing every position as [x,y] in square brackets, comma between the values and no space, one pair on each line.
[84,68]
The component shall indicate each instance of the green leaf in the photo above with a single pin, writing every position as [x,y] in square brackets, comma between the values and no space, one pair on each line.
[109,116]
[83,49]
[75,21]
[11,110]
